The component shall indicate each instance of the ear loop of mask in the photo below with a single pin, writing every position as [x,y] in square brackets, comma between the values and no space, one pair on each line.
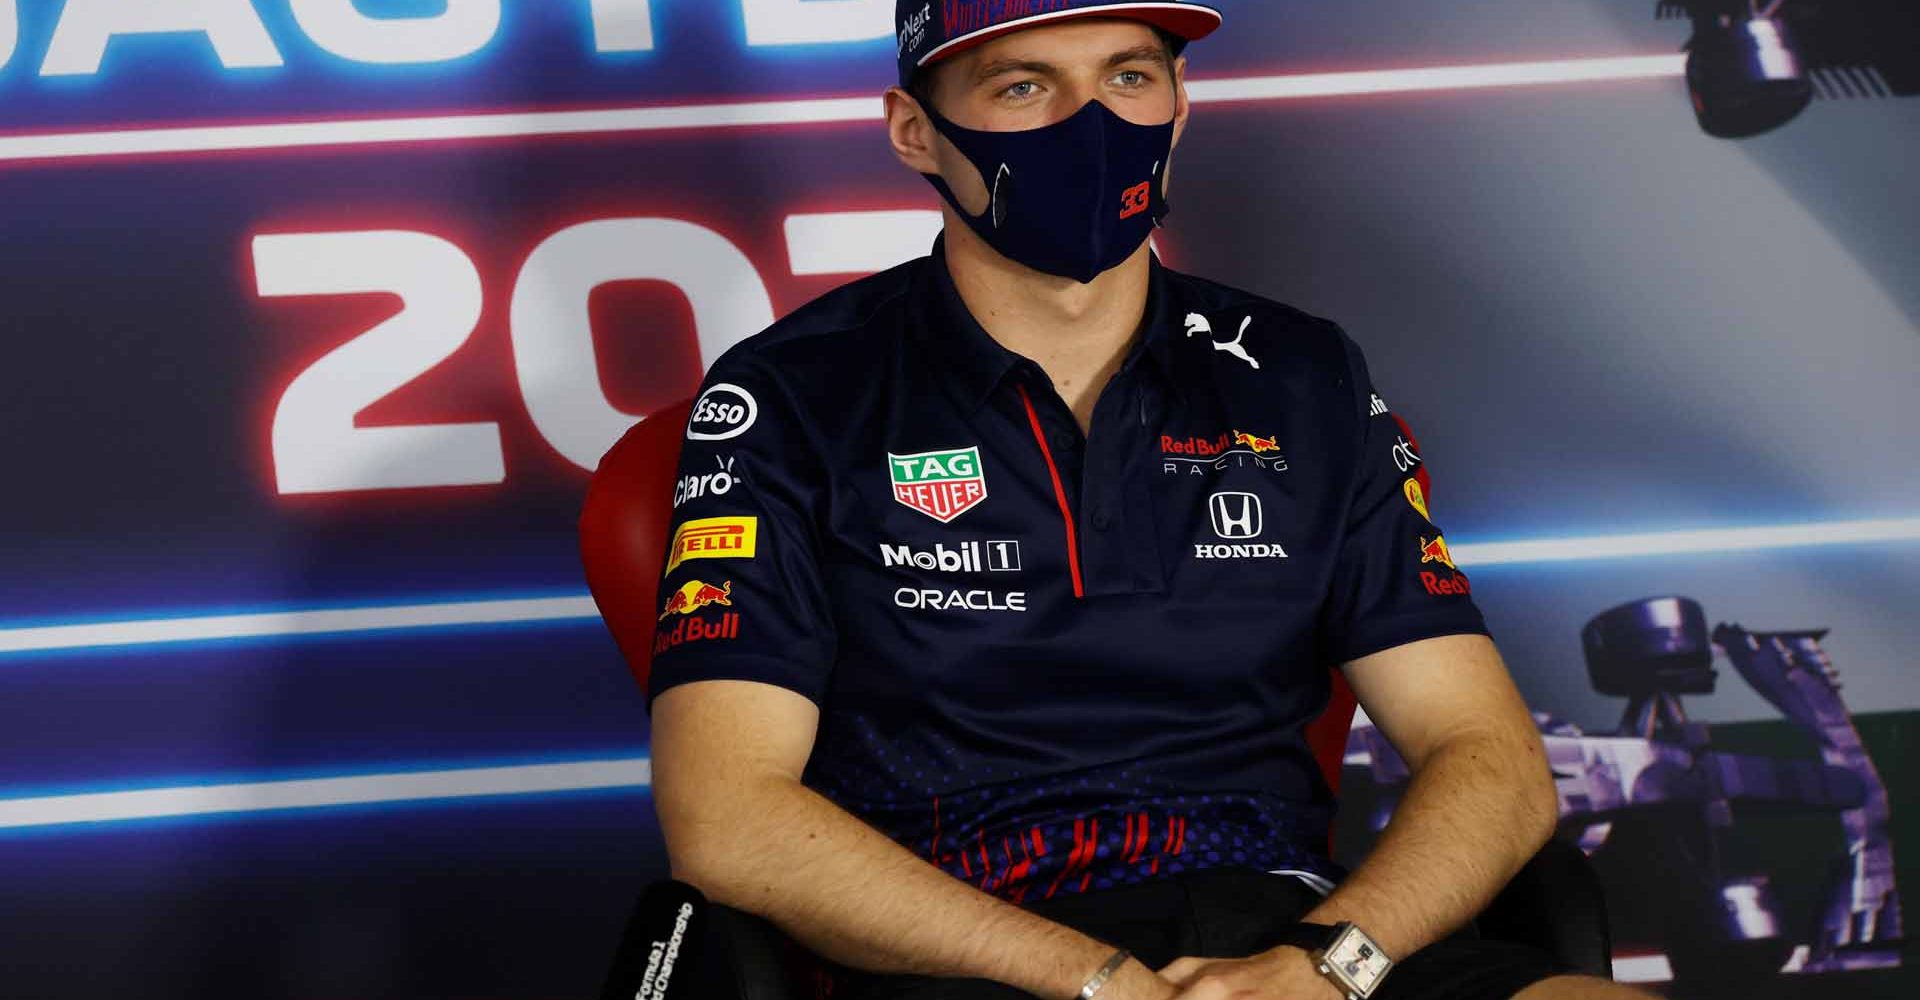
[999,190]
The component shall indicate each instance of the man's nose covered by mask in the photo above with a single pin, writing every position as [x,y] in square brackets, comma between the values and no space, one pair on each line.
[1073,199]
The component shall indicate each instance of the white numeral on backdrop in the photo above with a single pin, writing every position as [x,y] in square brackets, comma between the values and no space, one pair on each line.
[316,447]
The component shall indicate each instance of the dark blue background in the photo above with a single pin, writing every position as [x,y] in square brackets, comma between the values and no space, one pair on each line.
[1597,319]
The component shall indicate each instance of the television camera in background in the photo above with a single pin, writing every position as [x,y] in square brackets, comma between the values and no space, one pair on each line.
[1655,803]
[1754,65]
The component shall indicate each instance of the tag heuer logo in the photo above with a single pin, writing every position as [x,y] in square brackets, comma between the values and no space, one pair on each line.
[940,484]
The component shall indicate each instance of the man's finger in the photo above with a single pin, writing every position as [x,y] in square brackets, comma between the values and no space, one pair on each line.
[1180,970]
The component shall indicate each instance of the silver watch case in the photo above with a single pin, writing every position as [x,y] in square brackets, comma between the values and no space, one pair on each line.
[1353,962]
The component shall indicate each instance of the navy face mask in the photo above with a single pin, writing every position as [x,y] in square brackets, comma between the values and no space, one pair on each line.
[1072,199]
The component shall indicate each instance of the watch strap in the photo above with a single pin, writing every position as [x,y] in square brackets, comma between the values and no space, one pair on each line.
[1310,937]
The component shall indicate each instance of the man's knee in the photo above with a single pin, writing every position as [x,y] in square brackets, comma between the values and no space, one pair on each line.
[1581,988]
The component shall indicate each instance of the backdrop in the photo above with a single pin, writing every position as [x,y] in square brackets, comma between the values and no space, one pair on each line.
[318,314]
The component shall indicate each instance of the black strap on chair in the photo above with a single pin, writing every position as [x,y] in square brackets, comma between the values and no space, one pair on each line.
[1555,904]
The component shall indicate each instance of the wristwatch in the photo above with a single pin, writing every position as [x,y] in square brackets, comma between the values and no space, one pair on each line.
[1344,954]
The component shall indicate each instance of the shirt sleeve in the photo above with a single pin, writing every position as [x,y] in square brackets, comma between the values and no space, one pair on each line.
[741,593]
[1394,580]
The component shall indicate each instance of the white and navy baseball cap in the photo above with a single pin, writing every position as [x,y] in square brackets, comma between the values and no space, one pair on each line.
[932,30]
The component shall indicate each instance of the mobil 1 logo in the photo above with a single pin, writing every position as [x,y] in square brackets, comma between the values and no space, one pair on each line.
[966,557]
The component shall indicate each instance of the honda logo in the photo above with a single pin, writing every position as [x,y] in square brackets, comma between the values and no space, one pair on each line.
[1236,515]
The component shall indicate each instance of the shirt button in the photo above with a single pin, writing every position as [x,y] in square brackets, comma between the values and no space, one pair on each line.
[1101,521]
[1062,441]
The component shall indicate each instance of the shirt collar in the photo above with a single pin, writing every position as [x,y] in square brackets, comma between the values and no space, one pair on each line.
[974,364]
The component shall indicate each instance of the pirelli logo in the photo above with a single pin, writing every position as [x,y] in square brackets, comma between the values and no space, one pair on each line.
[713,538]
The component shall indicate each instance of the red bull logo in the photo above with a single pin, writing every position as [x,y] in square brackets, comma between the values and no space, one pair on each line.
[1259,445]
[1453,584]
[1219,453]
[696,630]
[696,594]
[1204,447]
[683,603]
[1436,551]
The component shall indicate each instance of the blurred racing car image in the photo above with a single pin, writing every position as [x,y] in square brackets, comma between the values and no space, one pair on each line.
[1668,818]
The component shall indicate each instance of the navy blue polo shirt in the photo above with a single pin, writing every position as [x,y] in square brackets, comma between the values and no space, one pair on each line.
[1046,661]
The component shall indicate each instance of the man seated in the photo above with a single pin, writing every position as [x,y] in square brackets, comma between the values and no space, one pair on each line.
[984,664]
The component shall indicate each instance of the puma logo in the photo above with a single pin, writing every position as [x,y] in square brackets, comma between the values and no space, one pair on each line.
[1197,323]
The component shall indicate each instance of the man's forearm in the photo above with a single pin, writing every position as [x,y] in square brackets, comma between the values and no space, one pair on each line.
[1473,815]
[851,894]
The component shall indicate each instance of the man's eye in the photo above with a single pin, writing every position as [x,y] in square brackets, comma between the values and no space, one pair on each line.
[1131,78]
[1024,88]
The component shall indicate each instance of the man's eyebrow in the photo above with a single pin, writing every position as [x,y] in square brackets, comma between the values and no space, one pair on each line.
[1140,53]
[988,71]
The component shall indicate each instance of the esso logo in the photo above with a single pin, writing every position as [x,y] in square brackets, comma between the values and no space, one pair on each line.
[723,411]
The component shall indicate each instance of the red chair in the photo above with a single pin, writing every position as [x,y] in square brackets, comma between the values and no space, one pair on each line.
[1555,903]
[623,530]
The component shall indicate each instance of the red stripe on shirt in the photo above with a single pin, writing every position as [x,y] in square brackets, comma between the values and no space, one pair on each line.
[1059,492]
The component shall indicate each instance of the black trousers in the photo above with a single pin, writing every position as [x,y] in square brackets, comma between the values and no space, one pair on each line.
[1229,913]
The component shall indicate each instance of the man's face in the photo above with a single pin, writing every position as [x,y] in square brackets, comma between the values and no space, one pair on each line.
[1037,77]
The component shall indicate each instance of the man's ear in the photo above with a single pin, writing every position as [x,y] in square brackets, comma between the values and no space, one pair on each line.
[909,132]
[1180,106]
